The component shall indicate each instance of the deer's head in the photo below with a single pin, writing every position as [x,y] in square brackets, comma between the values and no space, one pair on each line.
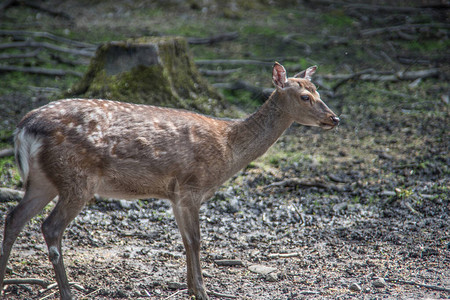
[303,101]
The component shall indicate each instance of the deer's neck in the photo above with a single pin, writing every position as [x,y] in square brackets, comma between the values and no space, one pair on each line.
[253,136]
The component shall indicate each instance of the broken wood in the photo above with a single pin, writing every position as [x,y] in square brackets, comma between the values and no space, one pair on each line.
[37,281]
[42,71]
[6,152]
[218,72]
[283,255]
[381,30]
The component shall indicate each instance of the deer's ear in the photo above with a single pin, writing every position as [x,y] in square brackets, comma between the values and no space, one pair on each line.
[279,75]
[307,74]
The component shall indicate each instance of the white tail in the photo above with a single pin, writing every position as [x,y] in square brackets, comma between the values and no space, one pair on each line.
[77,148]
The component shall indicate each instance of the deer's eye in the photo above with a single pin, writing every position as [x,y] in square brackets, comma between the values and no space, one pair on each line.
[304,97]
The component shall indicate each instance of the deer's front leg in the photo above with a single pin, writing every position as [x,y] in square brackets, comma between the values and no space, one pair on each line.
[187,215]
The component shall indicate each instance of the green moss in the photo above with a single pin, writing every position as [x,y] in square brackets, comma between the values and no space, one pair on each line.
[172,80]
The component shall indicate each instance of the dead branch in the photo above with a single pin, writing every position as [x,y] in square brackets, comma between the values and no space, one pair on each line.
[6,152]
[34,44]
[218,72]
[46,35]
[428,286]
[20,55]
[228,36]
[37,281]
[42,71]
[290,38]
[283,255]
[221,295]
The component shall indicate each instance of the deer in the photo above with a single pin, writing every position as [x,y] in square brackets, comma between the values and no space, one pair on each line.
[78,148]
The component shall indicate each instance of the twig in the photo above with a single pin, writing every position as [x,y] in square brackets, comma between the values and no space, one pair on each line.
[176,293]
[48,296]
[428,286]
[90,294]
[6,152]
[221,295]
[283,255]
[228,36]
[34,44]
[51,72]
[37,281]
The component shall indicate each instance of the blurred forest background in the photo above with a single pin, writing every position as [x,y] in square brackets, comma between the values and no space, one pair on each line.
[362,210]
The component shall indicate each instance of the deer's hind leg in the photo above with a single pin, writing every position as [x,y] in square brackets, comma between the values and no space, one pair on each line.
[72,198]
[38,194]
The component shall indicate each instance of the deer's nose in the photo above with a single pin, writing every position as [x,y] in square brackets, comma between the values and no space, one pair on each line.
[335,120]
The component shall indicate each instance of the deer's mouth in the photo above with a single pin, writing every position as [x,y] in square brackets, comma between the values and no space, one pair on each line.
[329,123]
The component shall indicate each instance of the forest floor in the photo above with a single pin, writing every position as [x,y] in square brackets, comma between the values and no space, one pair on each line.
[361,211]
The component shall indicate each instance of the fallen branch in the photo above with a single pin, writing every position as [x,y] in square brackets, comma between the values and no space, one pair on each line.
[43,71]
[7,195]
[228,36]
[46,35]
[218,72]
[20,55]
[221,295]
[428,286]
[283,255]
[6,152]
[37,281]
[34,44]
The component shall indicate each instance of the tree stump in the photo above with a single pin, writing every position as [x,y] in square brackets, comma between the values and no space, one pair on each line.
[154,70]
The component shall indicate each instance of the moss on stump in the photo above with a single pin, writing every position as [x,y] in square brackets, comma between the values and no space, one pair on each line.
[155,70]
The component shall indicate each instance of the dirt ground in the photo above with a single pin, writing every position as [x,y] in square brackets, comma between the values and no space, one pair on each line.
[361,211]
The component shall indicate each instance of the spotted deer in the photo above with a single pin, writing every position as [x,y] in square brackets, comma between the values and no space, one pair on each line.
[76,148]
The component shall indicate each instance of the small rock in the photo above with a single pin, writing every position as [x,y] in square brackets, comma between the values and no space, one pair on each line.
[272,277]
[379,283]
[261,269]
[340,206]
[355,287]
